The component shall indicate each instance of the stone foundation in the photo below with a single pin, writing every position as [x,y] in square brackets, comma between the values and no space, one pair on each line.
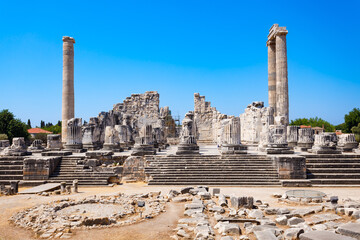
[290,167]
[39,168]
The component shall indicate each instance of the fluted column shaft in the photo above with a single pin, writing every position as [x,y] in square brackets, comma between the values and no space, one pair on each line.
[68,107]
[272,74]
[282,95]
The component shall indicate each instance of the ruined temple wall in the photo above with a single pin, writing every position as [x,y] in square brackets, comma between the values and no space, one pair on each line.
[206,120]
[251,122]
[135,111]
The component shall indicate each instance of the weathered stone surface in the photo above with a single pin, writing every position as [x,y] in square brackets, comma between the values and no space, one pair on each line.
[265,235]
[321,218]
[295,221]
[323,235]
[293,233]
[256,213]
[325,143]
[17,148]
[347,142]
[188,143]
[350,229]
[39,168]
[282,220]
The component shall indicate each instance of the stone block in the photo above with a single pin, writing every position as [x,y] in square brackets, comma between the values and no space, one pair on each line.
[350,229]
[290,167]
[323,235]
[39,168]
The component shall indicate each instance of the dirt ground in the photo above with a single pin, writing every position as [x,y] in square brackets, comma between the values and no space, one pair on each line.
[161,227]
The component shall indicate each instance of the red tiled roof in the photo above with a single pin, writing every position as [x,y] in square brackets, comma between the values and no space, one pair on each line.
[37,130]
[304,126]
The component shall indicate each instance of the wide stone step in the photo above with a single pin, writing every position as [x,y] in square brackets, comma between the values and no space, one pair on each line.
[11,172]
[229,174]
[81,182]
[326,161]
[210,183]
[333,165]
[211,165]
[11,163]
[11,167]
[214,171]
[81,174]
[11,177]
[227,178]
[333,170]
[335,181]
[332,156]
[334,176]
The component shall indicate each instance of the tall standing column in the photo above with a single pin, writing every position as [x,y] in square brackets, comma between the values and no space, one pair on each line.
[68,85]
[272,74]
[282,95]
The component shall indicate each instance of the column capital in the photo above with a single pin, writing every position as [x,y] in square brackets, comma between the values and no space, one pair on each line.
[68,39]
[275,30]
[270,42]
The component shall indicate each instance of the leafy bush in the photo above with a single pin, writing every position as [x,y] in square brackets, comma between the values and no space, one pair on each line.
[3,137]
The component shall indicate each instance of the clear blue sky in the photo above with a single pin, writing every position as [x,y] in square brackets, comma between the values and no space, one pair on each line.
[217,48]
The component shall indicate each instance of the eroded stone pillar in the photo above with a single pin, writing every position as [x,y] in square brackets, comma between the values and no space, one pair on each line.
[272,74]
[282,94]
[68,84]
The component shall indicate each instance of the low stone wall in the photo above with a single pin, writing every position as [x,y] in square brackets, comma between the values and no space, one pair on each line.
[39,168]
[290,167]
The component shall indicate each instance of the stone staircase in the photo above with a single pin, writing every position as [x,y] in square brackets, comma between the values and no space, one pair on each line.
[11,168]
[337,169]
[242,170]
[68,170]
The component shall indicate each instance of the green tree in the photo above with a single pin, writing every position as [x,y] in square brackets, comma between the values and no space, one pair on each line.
[59,123]
[42,124]
[341,127]
[352,119]
[29,123]
[17,128]
[56,129]
[314,122]
[5,119]
[356,131]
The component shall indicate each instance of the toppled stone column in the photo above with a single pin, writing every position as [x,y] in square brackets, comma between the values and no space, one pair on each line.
[68,84]
[144,144]
[347,142]
[305,139]
[230,137]
[292,135]
[74,135]
[53,142]
[18,148]
[325,143]
[188,143]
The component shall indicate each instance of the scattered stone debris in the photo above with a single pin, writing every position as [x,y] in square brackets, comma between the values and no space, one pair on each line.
[59,218]
[225,218]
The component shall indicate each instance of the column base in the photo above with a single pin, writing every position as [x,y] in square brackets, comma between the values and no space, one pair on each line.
[186,149]
[230,149]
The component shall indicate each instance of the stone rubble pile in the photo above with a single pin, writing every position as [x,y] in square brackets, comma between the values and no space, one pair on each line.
[218,216]
[58,219]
